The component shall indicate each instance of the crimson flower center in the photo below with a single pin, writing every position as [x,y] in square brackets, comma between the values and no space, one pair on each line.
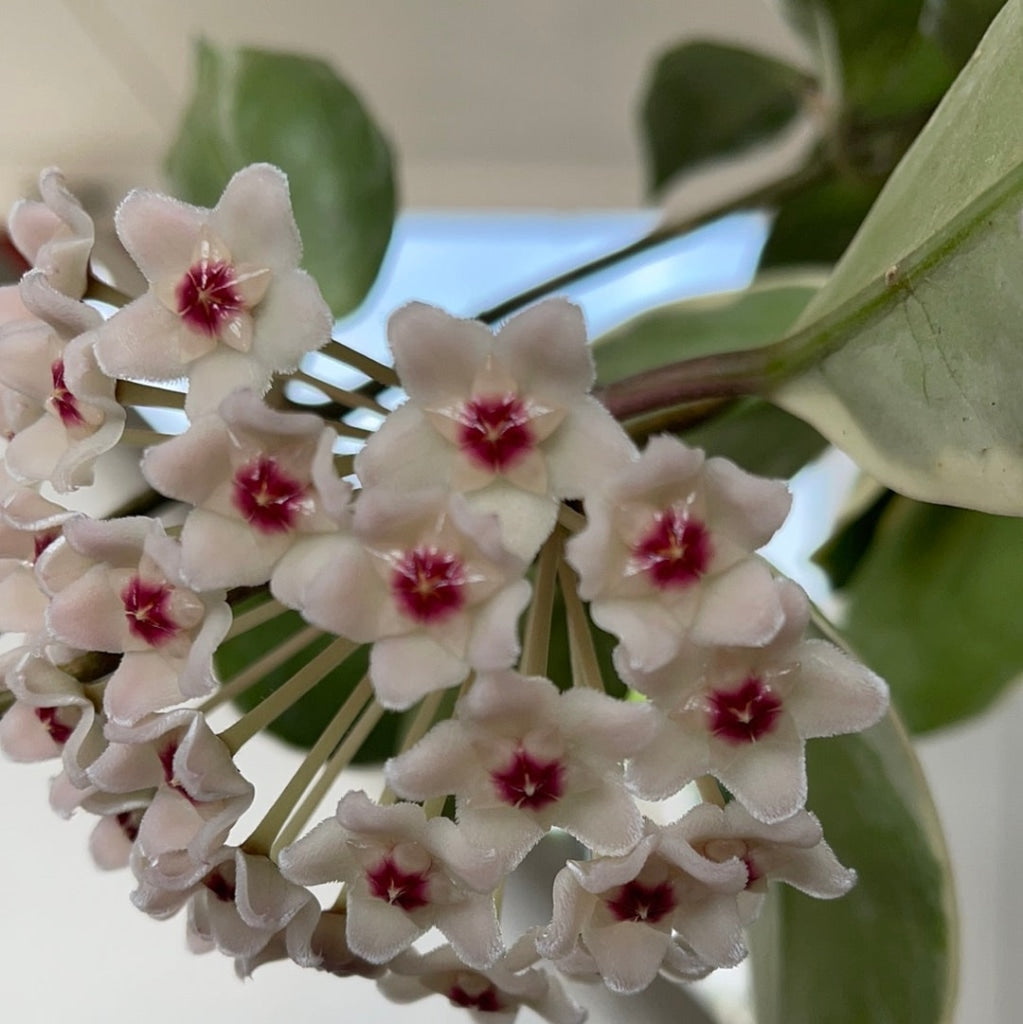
[675,551]
[166,754]
[429,584]
[59,731]
[529,782]
[647,904]
[65,403]
[745,714]
[485,1000]
[208,297]
[407,890]
[494,431]
[147,609]
[42,540]
[269,499]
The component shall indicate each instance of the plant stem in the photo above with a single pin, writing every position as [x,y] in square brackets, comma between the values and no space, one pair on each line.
[131,393]
[103,292]
[383,375]
[258,669]
[264,834]
[537,636]
[341,396]
[288,693]
[582,654]
[724,375]
[710,791]
[254,617]
[771,194]
[336,763]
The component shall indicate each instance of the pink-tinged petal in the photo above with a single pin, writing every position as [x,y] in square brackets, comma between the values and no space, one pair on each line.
[647,630]
[141,340]
[264,899]
[544,348]
[111,840]
[749,509]
[405,668]
[494,643]
[628,954]
[158,232]
[378,931]
[343,593]
[215,376]
[712,927]
[816,872]
[672,759]
[588,446]
[33,455]
[317,857]
[769,776]
[192,465]
[90,614]
[572,908]
[126,767]
[512,835]
[197,677]
[292,320]
[740,608]
[526,519]
[683,964]
[24,736]
[357,813]
[221,552]
[11,306]
[604,817]
[406,451]
[268,239]
[142,684]
[22,603]
[604,873]
[614,728]
[437,356]
[439,763]
[835,694]
[56,236]
[472,929]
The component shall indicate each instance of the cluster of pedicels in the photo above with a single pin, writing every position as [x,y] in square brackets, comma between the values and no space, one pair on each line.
[500,491]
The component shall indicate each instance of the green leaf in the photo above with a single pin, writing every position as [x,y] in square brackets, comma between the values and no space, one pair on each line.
[254,105]
[303,722]
[841,555]
[759,437]
[886,952]
[818,223]
[958,25]
[706,101]
[934,607]
[872,44]
[915,339]
[726,322]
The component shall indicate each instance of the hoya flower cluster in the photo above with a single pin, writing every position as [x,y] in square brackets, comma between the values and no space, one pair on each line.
[499,511]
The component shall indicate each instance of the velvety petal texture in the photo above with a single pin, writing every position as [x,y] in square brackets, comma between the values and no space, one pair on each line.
[55,235]
[665,555]
[505,411]
[405,874]
[225,279]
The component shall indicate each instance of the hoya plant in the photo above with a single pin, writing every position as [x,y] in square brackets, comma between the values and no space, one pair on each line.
[517,567]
